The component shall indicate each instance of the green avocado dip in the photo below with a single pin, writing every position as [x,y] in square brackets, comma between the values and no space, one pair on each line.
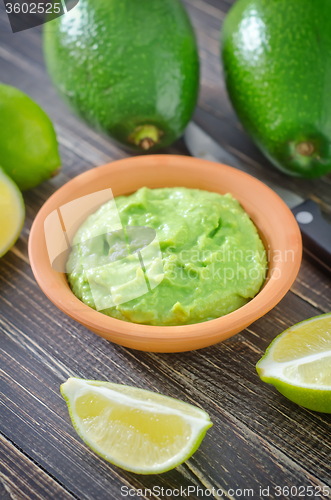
[211,260]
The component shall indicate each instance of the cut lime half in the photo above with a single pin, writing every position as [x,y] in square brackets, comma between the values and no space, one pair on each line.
[137,430]
[11,212]
[298,363]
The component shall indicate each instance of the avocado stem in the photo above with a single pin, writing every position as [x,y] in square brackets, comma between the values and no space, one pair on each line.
[145,136]
[305,148]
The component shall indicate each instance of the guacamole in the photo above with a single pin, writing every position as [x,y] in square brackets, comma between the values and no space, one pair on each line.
[206,261]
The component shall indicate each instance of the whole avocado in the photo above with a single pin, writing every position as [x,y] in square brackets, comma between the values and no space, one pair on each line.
[277,63]
[128,67]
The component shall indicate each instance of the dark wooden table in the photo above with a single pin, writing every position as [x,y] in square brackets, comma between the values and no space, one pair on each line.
[259,439]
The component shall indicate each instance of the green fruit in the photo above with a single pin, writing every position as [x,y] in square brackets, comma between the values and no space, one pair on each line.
[137,430]
[298,362]
[129,68]
[277,63]
[28,145]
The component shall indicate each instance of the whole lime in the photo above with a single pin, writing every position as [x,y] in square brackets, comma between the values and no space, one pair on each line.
[28,145]
[129,68]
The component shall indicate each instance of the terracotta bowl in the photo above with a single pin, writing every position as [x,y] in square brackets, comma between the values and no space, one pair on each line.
[275,222]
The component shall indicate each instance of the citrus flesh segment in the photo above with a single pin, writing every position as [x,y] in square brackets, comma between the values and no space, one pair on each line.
[11,213]
[308,337]
[298,363]
[317,372]
[138,430]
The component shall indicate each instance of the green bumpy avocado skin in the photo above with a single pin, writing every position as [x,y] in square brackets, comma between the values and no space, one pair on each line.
[127,65]
[277,64]
[213,258]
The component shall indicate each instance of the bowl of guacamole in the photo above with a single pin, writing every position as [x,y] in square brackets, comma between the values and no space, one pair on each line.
[184,255]
[210,262]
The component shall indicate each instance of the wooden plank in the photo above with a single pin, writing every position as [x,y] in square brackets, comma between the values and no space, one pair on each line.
[206,9]
[33,411]
[313,285]
[230,377]
[36,416]
[259,437]
[21,478]
[46,194]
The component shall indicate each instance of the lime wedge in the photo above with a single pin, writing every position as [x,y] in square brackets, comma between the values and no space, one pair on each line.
[11,212]
[298,363]
[137,430]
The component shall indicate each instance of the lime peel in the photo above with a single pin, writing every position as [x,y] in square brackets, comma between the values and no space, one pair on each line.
[137,430]
[298,363]
[28,144]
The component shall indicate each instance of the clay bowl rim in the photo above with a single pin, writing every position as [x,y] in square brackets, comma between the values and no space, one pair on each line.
[138,336]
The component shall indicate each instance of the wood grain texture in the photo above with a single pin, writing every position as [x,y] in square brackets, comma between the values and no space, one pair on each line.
[22,479]
[258,439]
[31,386]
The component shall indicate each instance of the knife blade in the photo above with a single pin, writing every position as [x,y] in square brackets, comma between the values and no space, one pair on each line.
[316,232]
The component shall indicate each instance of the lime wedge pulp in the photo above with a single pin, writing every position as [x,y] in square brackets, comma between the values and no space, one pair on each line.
[298,363]
[11,212]
[137,430]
